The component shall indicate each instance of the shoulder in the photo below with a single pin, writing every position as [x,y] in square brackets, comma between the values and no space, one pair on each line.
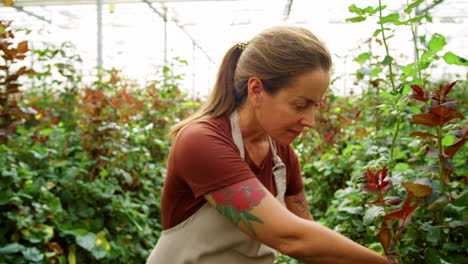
[208,136]
[212,127]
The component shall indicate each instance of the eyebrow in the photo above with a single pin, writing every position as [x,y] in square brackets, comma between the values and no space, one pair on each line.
[308,100]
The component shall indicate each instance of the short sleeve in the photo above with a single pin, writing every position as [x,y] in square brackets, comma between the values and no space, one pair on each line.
[294,177]
[208,159]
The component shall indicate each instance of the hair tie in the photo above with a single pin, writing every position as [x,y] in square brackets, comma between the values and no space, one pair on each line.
[242,45]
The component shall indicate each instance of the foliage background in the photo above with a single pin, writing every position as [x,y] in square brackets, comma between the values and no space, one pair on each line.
[83,163]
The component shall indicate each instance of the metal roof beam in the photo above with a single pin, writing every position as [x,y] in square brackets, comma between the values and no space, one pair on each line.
[21,9]
[164,17]
[287,10]
[19,3]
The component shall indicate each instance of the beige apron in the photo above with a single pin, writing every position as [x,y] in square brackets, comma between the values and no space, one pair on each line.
[207,237]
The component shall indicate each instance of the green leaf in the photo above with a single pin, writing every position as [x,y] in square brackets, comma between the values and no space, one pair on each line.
[351,210]
[32,254]
[2,30]
[386,95]
[451,58]
[11,248]
[413,5]
[417,19]
[356,19]
[433,235]
[391,18]
[452,210]
[437,43]
[98,252]
[427,55]
[372,213]
[378,31]
[375,72]
[462,199]
[410,69]
[431,256]
[46,131]
[387,60]
[448,140]
[363,57]
[402,166]
[354,9]
[452,246]
[87,241]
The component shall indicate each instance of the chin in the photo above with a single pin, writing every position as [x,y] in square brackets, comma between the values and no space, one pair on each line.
[283,140]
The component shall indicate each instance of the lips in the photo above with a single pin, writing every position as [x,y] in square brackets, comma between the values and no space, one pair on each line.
[295,132]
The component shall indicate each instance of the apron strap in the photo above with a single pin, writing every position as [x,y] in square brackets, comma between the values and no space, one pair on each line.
[237,134]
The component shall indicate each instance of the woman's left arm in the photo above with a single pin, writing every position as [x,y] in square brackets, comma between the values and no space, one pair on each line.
[297,204]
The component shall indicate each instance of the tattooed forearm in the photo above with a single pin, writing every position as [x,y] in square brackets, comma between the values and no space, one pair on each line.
[301,201]
[235,201]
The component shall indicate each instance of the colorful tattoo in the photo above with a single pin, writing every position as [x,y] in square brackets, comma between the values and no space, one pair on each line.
[301,201]
[236,200]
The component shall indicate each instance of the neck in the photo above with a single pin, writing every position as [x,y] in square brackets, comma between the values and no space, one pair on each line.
[251,130]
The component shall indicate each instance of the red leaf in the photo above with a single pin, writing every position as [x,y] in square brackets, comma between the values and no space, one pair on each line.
[441,111]
[386,186]
[448,87]
[384,172]
[453,116]
[429,119]
[394,215]
[369,176]
[371,188]
[419,91]
[450,151]
[419,190]
[357,115]
[422,134]
[344,119]
[385,239]
[393,200]
[22,47]
[409,212]
[419,98]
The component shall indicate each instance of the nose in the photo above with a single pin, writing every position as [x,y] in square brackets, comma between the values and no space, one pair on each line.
[308,119]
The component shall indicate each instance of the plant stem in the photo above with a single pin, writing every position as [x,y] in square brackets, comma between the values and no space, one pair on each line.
[395,135]
[441,157]
[416,50]
[386,48]
[389,225]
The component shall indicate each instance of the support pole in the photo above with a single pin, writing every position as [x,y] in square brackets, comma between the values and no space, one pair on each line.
[99,35]
[165,34]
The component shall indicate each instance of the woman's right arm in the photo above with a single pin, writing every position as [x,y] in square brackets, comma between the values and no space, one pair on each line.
[258,214]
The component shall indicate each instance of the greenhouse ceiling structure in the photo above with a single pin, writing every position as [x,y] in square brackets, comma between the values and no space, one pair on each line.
[139,35]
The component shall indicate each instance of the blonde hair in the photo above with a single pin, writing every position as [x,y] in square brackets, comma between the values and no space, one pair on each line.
[276,56]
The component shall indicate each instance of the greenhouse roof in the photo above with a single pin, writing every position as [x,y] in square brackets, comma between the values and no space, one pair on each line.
[135,37]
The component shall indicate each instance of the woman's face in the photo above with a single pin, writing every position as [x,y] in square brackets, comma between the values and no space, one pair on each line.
[285,115]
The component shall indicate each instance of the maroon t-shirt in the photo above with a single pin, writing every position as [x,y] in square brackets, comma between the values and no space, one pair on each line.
[204,158]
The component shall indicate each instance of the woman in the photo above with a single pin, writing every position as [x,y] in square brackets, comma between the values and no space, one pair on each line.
[233,192]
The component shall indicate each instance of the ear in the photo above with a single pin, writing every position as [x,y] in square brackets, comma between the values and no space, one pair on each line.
[255,90]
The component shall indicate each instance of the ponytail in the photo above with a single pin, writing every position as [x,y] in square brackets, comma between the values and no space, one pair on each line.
[223,99]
